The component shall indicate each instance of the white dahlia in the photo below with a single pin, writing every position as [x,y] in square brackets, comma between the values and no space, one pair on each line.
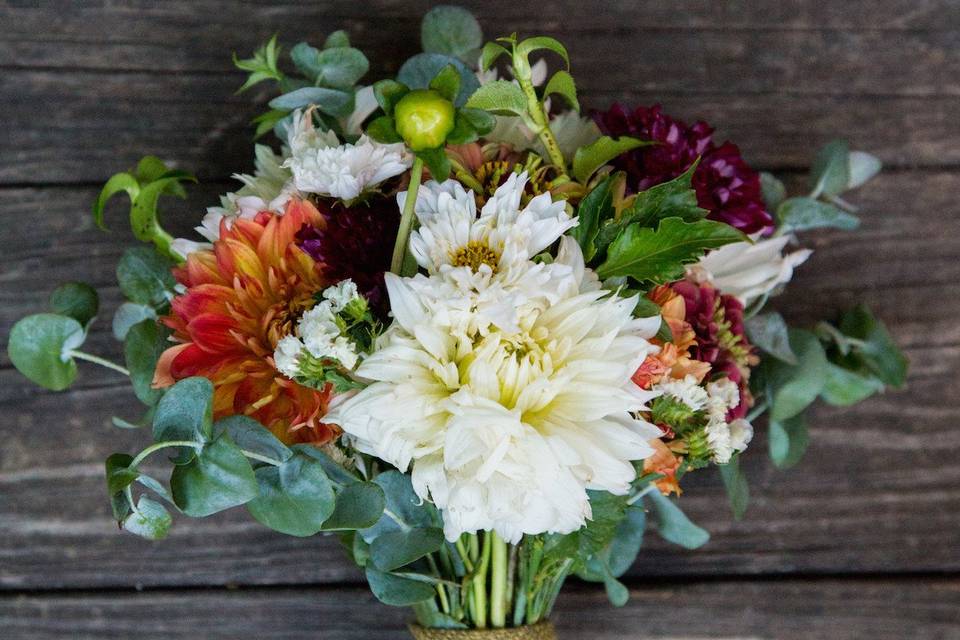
[507,431]
[320,164]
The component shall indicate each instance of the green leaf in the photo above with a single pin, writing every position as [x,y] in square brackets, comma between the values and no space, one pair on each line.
[143,213]
[218,478]
[793,387]
[336,67]
[659,255]
[150,520]
[117,183]
[403,503]
[359,506]
[145,277]
[735,482]
[673,526]
[788,441]
[588,159]
[773,190]
[397,591]
[500,97]
[129,314]
[491,51]
[830,174]
[452,31]
[333,102]
[250,435]
[338,38]
[447,82]
[437,162]
[266,122]
[863,167]
[800,214]
[595,208]
[619,555]
[295,498]
[383,130]
[877,352]
[769,332]
[843,387]
[617,592]
[672,199]
[562,84]
[418,71]
[77,300]
[141,349]
[537,43]
[185,413]
[39,347]
[399,548]
[119,474]
[608,511]
[335,470]
[262,66]
[482,122]
[388,93]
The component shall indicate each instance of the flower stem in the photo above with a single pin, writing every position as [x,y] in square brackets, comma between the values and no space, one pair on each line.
[542,122]
[498,581]
[157,447]
[406,219]
[80,355]
[480,585]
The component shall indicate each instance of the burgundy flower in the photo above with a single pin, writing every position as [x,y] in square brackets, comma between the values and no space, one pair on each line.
[357,243]
[717,321]
[726,185]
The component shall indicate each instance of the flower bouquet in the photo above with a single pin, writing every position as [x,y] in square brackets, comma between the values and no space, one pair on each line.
[476,335]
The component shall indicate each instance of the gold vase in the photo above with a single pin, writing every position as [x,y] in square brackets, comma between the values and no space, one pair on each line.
[540,631]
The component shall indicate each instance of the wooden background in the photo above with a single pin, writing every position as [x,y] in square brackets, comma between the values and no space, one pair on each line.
[862,540]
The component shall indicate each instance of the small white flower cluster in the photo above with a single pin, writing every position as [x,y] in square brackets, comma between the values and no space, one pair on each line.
[717,399]
[321,165]
[319,334]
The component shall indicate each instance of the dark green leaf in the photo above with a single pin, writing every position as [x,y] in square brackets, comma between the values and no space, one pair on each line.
[333,102]
[336,471]
[77,300]
[39,347]
[588,159]
[185,413]
[831,170]
[447,82]
[119,477]
[383,130]
[844,387]
[608,511]
[800,214]
[735,482]
[769,332]
[562,84]
[659,255]
[620,554]
[437,162]
[397,591]
[359,505]
[594,210]
[129,314]
[793,387]
[395,549]
[145,277]
[150,520]
[481,121]
[218,478]
[788,441]
[403,503]
[878,352]
[142,348]
[673,526]
[250,435]
[418,71]
[388,93]
[452,31]
[491,51]
[295,498]
[117,183]
[672,199]
[539,43]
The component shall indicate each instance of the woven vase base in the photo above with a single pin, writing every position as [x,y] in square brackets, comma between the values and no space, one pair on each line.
[539,631]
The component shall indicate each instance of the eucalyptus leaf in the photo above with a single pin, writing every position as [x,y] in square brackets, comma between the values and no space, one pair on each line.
[39,347]
[77,300]
[338,38]
[145,277]
[250,435]
[396,549]
[397,591]
[735,483]
[334,102]
[217,478]
[843,387]
[793,387]
[452,31]
[788,441]
[295,498]
[336,471]
[877,351]
[863,167]
[617,592]
[403,504]
[150,520]
[830,173]
[673,526]
[129,314]
[359,505]
[801,214]
[144,344]
[185,412]
[336,67]
[418,71]
[769,332]
[773,190]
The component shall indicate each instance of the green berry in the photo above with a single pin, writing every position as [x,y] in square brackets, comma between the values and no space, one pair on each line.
[424,119]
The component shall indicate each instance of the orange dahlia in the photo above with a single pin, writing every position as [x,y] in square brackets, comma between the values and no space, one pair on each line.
[241,298]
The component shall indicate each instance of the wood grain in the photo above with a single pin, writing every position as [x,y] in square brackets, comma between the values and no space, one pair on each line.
[924,609]
[879,491]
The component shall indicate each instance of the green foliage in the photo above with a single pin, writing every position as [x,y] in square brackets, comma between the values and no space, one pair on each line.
[396,549]
[150,180]
[792,387]
[333,102]
[251,436]
[421,69]
[595,208]
[735,483]
[77,300]
[145,277]
[774,192]
[388,93]
[617,556]
[500,97]
[397,591]
[843,387]
[769,332]
[588,159]
[673,526]
[562,84]
[185,413]
[788,440]
[295,497]
[142,347]
[335,67]
[452,31]
[801,214]
[40,348]
[359,506]
[262,66]
[672,199]
[218,477]
[129,314]
[830,173]
[659,255]
[406,509]
[873,349]
[149,520]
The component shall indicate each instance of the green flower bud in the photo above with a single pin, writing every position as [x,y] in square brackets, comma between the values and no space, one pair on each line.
[424,119]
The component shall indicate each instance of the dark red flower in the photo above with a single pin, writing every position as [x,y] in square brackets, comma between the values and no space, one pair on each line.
[726,185]
[357,243]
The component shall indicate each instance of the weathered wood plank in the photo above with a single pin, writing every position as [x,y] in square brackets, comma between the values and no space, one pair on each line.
[784,610]
[857,503]
[99,124]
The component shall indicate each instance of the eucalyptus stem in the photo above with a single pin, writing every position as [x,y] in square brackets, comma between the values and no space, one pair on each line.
[542,122]
[81,355]
[498,580]
[406,219]
[157,447]
[260,458]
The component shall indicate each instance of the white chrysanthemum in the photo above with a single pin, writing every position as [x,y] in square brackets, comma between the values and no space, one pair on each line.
[749,271]
[489,255]
[320,164]
[507,431]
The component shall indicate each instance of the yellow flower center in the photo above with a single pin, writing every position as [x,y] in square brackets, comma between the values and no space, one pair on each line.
[474,254]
